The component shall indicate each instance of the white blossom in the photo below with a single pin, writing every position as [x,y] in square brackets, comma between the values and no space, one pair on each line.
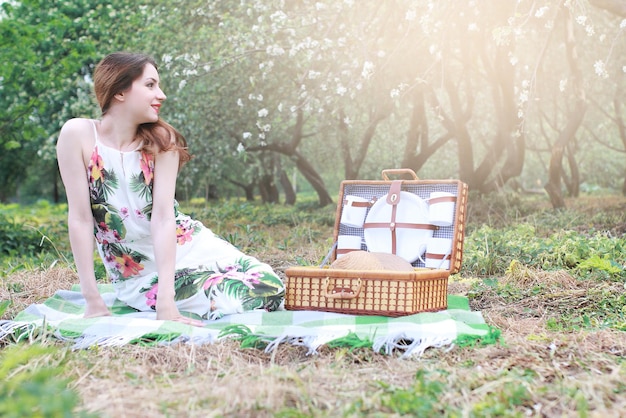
[368,70]
[247,135]
[182,84]
[622,24]
[275,50]
[394,93]
[278,16]
[239,102]
[410,15]
[262,128]
[240,147]
[523,97]
[562,84]
[262,113]
[541,11]
[472,27]
[581,19]
[341,90]
[600,69]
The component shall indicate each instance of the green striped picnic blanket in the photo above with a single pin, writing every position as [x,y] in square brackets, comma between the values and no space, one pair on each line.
[61,316]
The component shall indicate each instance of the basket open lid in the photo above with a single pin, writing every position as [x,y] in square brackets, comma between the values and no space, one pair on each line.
[375,191]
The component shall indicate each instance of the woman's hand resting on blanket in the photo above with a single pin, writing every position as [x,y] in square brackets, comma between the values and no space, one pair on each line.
[168,311]
[96,307]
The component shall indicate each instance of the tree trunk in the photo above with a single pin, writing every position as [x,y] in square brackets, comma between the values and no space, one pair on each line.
[247,188]
[352,165]
[313,178]
[572,183]
[211,193]
[290,194]
[290,149]
[619,121]
[268,189]
[456,125]
[305,168]
[515,143]
[574,120]
[418,148]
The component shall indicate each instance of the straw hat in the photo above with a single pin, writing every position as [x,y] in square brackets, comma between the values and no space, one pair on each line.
[365,260]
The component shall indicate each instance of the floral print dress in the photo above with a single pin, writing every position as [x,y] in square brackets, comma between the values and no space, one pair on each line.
[213,278]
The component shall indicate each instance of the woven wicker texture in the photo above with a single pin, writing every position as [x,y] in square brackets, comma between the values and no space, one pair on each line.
[366,292]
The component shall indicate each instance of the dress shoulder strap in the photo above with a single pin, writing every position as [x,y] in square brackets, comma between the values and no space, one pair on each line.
[95,130]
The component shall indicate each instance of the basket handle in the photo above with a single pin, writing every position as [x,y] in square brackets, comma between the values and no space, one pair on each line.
[397,172]
[341,292]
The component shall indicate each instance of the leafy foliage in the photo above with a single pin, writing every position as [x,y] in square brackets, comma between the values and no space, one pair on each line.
[333,89]
[17,239]
[48,50]
[31,383]
[489,251]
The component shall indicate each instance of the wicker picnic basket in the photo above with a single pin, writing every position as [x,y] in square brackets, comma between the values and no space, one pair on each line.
[389,222]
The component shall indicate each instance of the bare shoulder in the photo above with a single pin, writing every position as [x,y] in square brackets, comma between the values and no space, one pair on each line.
[77,128]
[76,139]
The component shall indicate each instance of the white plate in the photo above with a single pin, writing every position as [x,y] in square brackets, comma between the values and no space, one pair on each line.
[410,242]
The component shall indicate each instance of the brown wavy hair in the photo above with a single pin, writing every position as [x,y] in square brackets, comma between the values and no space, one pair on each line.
[115,74]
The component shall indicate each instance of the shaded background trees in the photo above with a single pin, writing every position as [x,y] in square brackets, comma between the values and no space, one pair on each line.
[526,95]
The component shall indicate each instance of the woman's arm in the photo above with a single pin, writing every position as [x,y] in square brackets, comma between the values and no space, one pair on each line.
[163,229]
[72,155]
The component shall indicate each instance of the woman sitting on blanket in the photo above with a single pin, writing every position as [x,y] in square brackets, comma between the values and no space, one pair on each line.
[120,175]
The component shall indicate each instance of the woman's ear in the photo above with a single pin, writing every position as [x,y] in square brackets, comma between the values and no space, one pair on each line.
[119,96]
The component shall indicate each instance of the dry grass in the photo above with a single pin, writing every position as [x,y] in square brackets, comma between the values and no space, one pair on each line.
[24,288]
[560,370]
[562,374]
